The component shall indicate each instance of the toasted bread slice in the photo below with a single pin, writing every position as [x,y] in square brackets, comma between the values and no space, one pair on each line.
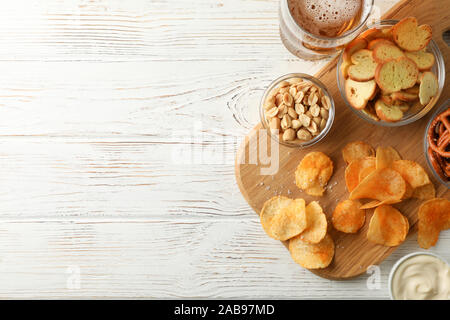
[389,113]
[428,87]
[404,96]
[387,34]
[395,75]
[350,49]
[369,111]
[363,68]
[385,51]
[423,59]
[358,93]
[387,99]
[413,90]
[404,106]
[372,44]
[411,37]
[371,34]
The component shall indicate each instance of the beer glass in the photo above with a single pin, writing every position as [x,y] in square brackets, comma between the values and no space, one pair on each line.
[325,41]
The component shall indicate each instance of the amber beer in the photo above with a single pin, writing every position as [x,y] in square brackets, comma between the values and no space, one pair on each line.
[313,29]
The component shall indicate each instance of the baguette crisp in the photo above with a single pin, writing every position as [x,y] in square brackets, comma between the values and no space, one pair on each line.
[423,59]
[411,37]
[385,51]
[395,75]
[428,87]
[389,113]
[364,66]
[359,93]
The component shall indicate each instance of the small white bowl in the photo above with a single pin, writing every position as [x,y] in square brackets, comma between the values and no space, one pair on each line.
[401,260]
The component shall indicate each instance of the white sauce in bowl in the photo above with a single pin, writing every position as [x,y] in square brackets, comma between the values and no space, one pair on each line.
[421,277]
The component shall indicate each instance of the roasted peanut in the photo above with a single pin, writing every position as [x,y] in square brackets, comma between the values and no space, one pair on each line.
[299,108]
[326,102]
[324,113]
[296,124]
[322,124]
[315,110]
[305,120]
[289,135]
[286,122]
[291,112]
[272,112]
[304,134]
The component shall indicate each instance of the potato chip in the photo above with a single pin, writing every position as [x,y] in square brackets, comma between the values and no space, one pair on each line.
[272,208]
[388,226]
[434,216]
[425,192]
[385,157]
[317,223]
[312,255]
[385,185]
[409,190]
[313,173]
[366,171]
[353,172]
[290,221]
[348,216]
[316,191]
[411,172]
[375,203]
[357,150]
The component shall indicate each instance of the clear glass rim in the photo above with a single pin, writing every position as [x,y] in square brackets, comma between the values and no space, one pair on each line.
[331,114]
[425,142]
[441,81]
[343,36]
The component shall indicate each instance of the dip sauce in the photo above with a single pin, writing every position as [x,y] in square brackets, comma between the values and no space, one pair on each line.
[421,277]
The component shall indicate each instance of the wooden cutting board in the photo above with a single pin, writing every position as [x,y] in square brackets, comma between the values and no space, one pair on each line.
[353,254]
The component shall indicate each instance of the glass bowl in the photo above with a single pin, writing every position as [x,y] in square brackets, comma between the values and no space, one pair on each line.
[411,115]
[298,143]
[441,109]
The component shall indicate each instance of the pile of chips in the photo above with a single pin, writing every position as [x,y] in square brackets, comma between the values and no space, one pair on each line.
[382,177]
[305,226]
[385,178]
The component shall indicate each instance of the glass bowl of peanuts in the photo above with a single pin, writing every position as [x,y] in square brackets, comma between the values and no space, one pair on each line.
[297,110]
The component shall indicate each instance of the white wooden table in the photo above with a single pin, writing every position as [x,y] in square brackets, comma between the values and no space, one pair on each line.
[119,122]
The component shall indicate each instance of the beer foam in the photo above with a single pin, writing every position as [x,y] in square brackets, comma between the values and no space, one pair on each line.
[324,17]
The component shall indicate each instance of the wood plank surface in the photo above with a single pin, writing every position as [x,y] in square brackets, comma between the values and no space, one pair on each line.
[98,100]
[354,254]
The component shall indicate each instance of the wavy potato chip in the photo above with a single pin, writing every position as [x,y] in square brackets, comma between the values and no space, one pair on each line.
[354,171]
[425,192]
[434,216]
[317,223]
[357,150]
[411,172]
[387,226]
[312,255]
[386,185]
[377,203]
[313,172]
[408,191]
[365,172]
[348,216]
[272,208]
[290,221]
[385,156]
